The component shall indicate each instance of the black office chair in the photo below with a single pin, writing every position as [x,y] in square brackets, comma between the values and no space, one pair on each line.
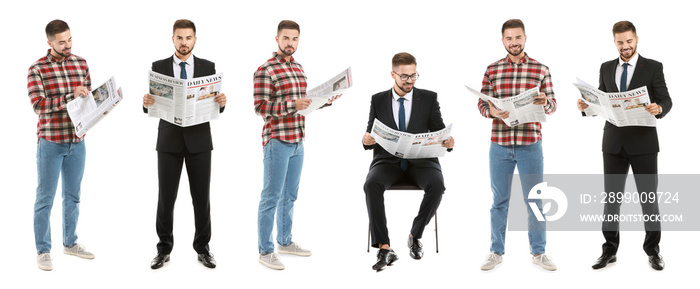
[406,185]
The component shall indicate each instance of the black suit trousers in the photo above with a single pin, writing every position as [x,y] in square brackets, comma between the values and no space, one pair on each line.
[644,167]
[169,171]
[383,176]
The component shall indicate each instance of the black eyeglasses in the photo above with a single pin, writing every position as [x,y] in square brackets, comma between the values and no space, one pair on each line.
[405,77]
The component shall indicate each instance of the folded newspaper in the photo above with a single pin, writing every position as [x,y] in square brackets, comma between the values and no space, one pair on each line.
[320,95]
[85,112]
[619,108]
[184,102]
[410,146]
[520,107]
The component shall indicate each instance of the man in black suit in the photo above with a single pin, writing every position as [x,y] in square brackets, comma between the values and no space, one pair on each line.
[192,144]
[635,146]
[412,110]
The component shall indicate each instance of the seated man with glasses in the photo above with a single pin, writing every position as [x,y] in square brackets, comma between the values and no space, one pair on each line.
[412,110]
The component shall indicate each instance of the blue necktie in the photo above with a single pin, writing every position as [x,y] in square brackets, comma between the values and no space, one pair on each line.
[623,78]
[402,127]
[183,71]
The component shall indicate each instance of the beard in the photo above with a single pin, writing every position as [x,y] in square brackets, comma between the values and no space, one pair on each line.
[631,52]
[184,50]
[403,88]
[65,52]
[284,51]
[515,50]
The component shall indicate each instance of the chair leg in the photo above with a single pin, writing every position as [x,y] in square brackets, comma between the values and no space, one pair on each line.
[369,231]
[436,235]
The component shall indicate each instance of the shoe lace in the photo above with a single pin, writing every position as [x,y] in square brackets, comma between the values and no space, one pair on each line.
[544,258]
[273,257]
[45,257]
[492,256]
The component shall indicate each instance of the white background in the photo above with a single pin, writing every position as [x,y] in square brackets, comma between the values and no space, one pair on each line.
[453,43]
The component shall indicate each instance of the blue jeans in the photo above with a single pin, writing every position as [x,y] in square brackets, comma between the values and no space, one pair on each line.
[282,170]
[502,163]
[52,160]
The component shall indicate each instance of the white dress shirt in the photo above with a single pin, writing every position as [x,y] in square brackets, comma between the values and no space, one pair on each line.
[630,70]
[407,103]
[189,67]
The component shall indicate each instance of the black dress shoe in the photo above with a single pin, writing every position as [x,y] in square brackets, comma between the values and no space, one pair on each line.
[657,262]
[207,260]
[160,260]
[385,257]
[604,260]
[416,248]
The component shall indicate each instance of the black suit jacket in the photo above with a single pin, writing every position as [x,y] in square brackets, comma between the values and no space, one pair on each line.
[173,138]
[636,140]
[425,117]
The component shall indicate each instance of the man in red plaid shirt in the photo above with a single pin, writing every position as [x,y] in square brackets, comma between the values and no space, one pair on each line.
[519,145]
[280,91]
[53,81]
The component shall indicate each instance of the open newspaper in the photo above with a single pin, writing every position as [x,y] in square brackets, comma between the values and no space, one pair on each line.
[410,146]
[619,108]
[520,107]
[85,112]
[184,102]
[321,94]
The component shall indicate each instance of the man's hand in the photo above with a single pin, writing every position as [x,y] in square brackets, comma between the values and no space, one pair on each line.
[334,98]
[81,91]
[148,100]
[653,108]
[497,113]
[540,99]
[450,143]
[368,140]
[220,99]
[302,103]
[581,105]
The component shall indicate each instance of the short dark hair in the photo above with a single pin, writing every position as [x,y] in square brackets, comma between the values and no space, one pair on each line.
[184,24]
[402,58]
[513,23]
[624,26]
[287,24]
[56,26]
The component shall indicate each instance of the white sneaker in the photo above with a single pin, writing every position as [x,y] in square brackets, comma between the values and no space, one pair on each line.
[272,261]
[44,262]
[79,251]
[491,261]
[545,262]
[293,249]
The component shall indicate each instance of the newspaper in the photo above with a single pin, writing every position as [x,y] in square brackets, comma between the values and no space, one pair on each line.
[520,107]
[320,95]
[619,108]
[184,102]
[85,112]
[410,146]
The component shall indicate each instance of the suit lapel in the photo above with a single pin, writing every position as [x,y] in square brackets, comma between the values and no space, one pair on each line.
[168,69]
[414,109]
[611,75]
[389,110]
[636,76]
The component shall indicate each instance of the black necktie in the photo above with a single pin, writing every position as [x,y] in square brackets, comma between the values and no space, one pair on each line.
[402,127]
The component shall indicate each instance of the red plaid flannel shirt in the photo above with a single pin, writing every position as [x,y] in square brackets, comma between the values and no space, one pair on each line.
[51,84]
[504,79]
[277,84]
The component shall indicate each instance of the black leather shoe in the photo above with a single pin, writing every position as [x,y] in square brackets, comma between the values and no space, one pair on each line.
[385,257]
[657,262]
[160,260]
[604,260]
[207,260]
[416,248]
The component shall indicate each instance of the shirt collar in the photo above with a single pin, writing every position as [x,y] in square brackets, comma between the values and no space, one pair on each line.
[188,61]
[280,58]
[632,62]
[51,58]
[525,59]
[408,95]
